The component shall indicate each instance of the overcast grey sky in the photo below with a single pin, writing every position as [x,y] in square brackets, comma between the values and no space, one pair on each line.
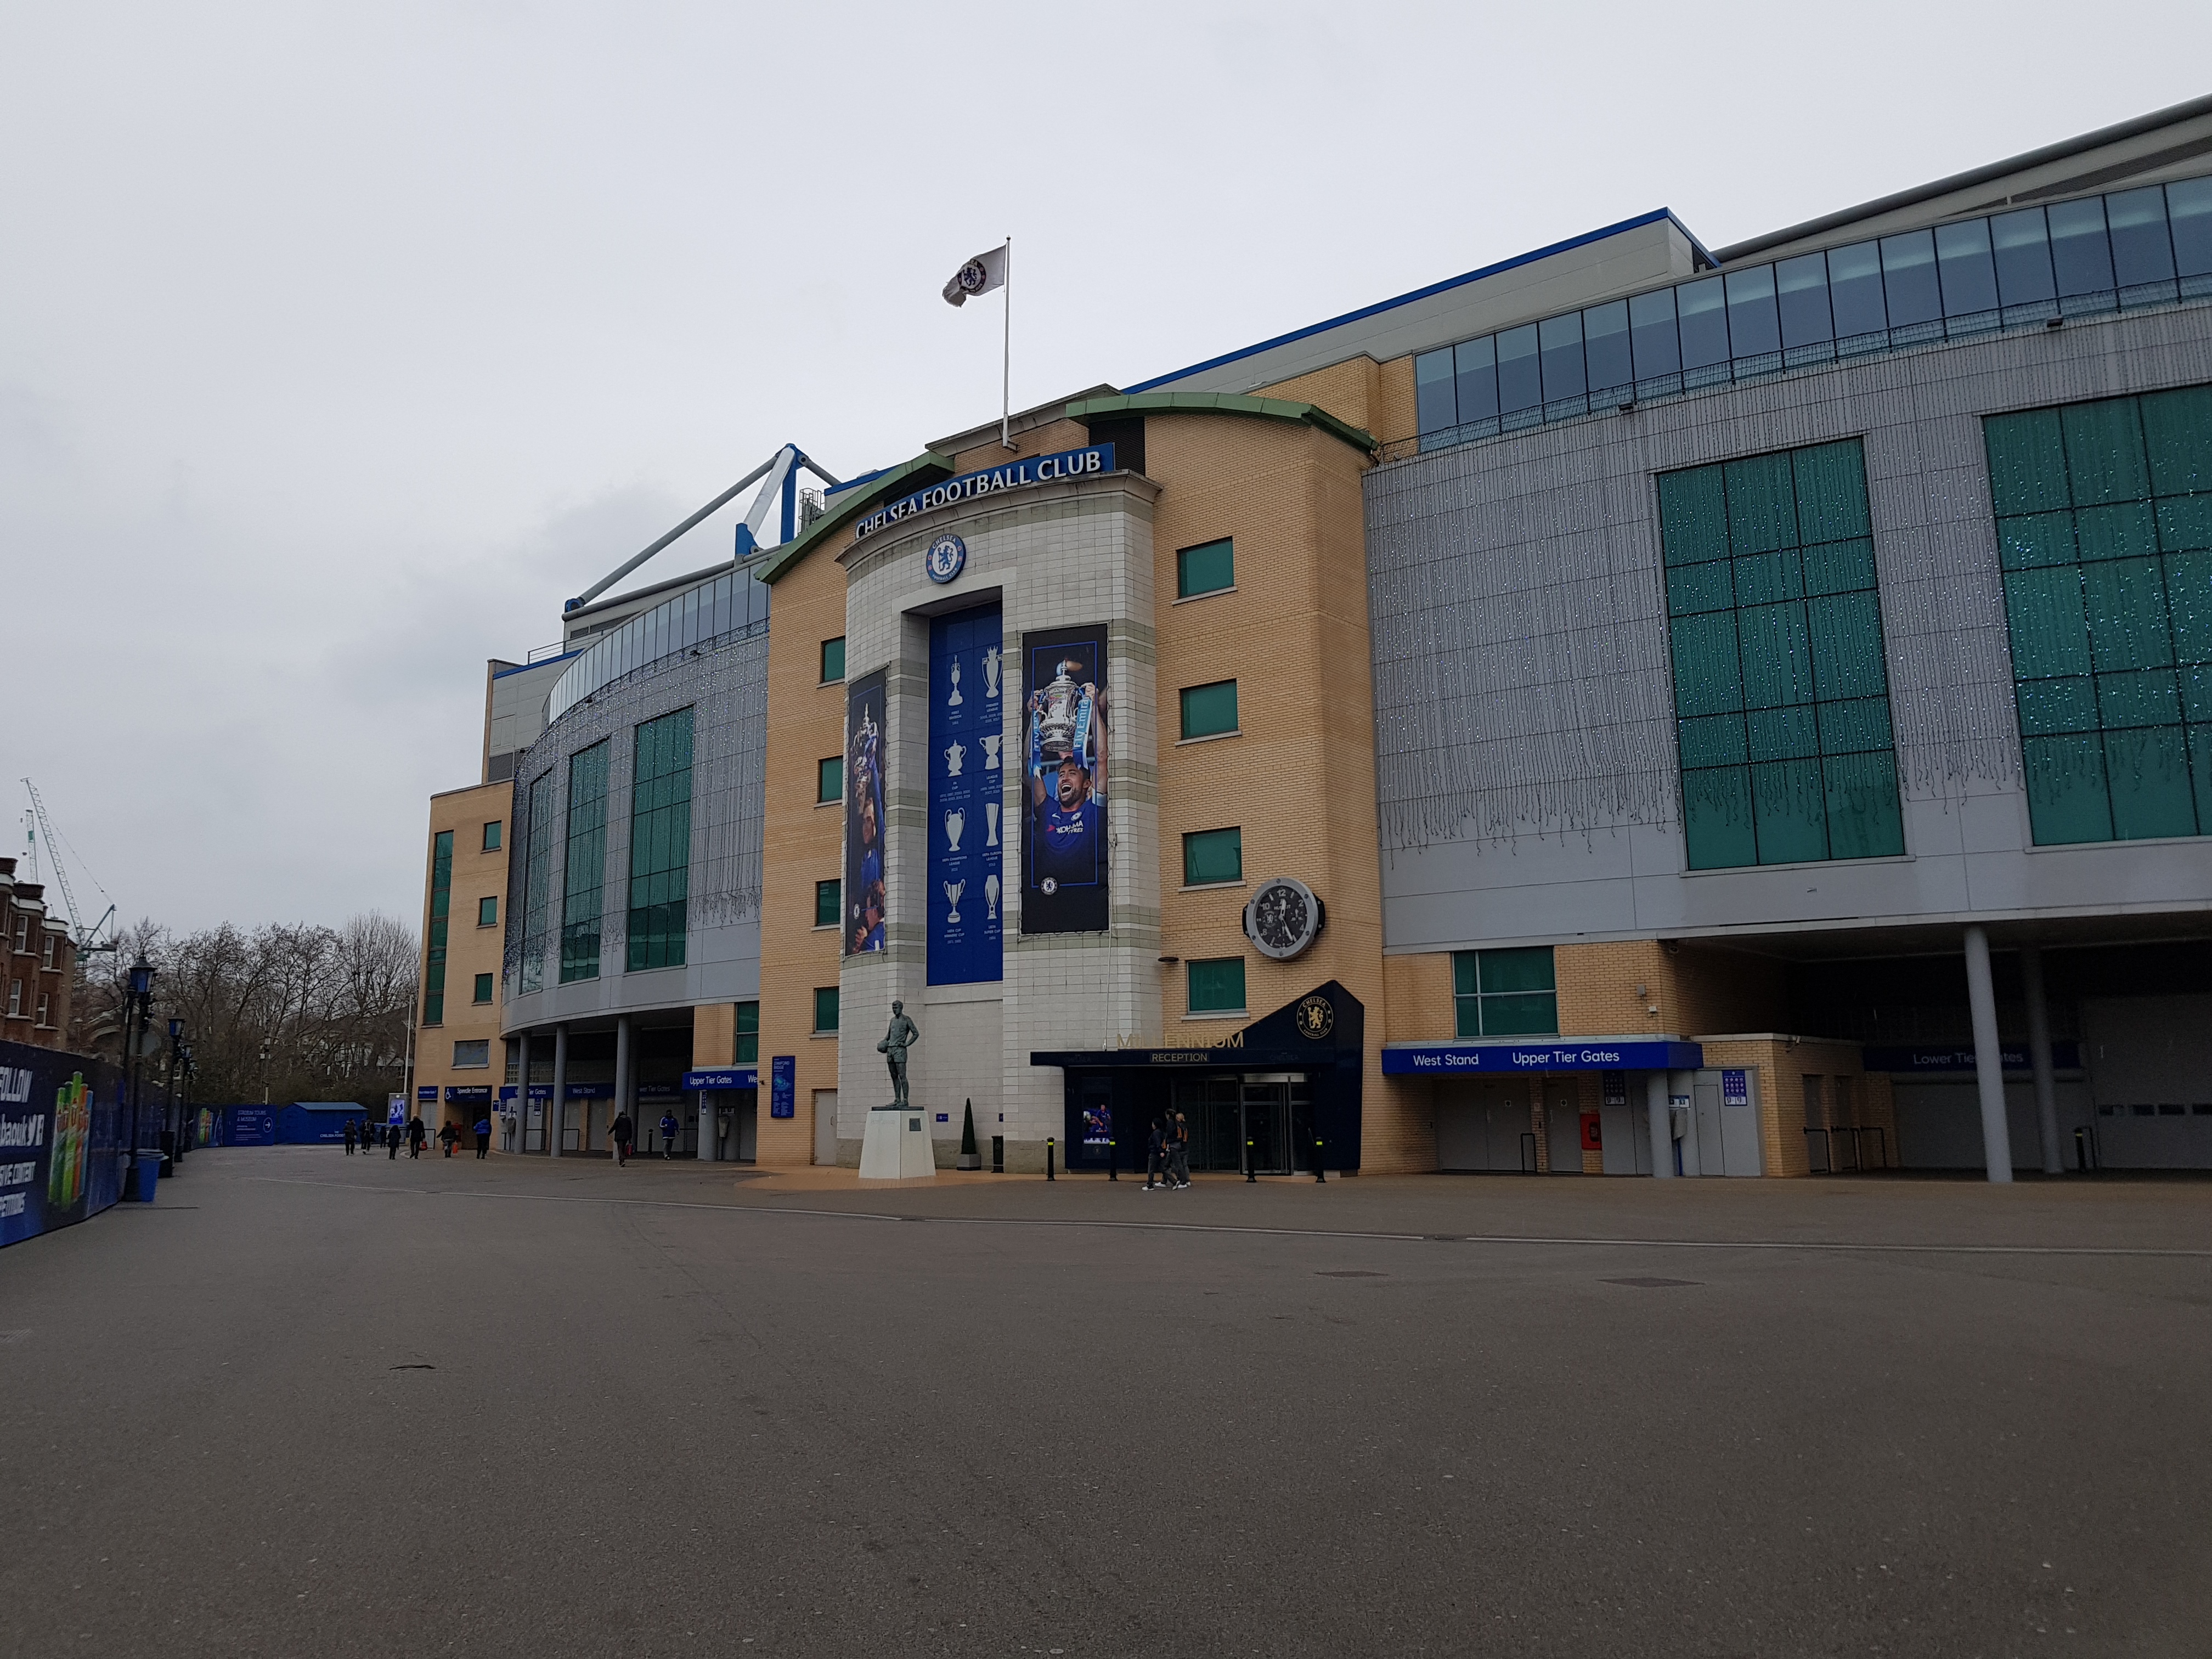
[338,344]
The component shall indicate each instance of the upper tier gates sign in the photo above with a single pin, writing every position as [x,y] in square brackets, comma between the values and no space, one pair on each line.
[1096,459]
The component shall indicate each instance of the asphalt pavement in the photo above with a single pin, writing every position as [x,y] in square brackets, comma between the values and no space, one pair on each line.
[305,1404]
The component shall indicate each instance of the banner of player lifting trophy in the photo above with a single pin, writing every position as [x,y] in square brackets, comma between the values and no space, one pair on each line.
[1064,842]
[864,815]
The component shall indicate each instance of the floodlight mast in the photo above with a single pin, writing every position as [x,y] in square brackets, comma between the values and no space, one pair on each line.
[782,472]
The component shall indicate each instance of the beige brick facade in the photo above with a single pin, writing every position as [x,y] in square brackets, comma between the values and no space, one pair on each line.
[472,948]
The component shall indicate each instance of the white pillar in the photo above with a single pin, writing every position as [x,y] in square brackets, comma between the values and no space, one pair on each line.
[2039,1057]
[710,1143]
[622,1077]
[556,1119]
[1663,1131]
[1988,1058]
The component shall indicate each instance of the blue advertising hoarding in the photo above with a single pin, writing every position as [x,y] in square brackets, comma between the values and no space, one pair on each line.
[966,891]
[783,1091]
[60,1129]
[1538,1054]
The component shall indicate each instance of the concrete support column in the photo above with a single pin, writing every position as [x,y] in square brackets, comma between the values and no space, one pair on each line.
[1988,1058]
[622,1077]
[710,1144]
[1662,1131]
[522,1089]
[2039,1057]
[556,1118]
[1678,1089]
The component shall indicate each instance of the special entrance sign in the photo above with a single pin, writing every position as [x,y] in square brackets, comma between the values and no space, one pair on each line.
[1456,1059]
[1091,462]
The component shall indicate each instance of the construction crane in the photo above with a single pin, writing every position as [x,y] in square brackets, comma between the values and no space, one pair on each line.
[87,938]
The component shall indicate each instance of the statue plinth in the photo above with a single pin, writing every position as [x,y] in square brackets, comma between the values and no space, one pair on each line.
[896,1145]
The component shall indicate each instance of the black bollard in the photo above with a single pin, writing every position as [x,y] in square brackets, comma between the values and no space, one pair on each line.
[1249,1178]
[1113,1164]
[1320,1179]
[1047,1158]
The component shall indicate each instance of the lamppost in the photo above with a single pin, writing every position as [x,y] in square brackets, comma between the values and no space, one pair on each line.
[185,1103]
[170,1114]
[264,1071]
[138,1000]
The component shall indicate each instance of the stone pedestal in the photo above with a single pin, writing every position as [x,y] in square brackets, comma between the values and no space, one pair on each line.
[896,1145]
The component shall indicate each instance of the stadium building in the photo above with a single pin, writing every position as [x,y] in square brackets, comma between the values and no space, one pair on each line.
[1634,708]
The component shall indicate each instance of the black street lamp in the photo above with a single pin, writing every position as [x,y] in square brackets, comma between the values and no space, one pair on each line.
[138,1000]
[174,1134]
[264,1071]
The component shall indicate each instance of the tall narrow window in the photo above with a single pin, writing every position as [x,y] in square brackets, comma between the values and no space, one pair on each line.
[827,901]
[488,912]
[537,884]
[482,989]
[661,842]
[441,904]
[584,871]
[491,836]
[825,1008]
[833,660]
[747,1033]
[1781,693]
[829,779]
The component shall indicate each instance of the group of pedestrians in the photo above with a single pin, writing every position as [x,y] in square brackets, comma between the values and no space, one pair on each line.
[1167,1154]
[414,1133]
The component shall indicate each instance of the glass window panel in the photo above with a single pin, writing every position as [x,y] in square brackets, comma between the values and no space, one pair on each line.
[1211,855]
[1702,313]
[2023,250]
[1561,343]
[1527,969]
[1707,678]
[2080,257]
[2050,629]
[1766,578]
[1712,740]
[1855,290]
[825,1008]
[2145,696]
[1717,825]
[1761,503]
[1694,515]
[1831,495]
[2178,433]
[827,903]
[1464,981]
[1477,371]
[1864,821]
[1775,734]
[1206,569]
[1839,567]
[1754,327]
[2140,250]
[2066,797]
[1691,589]
[1217,986]
[1604,346]
[2104,452]
[2027,461]
[1845,629]
[2189,217]
[2035,539]
[1776,654]
[1908,278]
[1969,274]
[1857,723]
[830,778]
[1209,710]
[2126,602]
[2148,774]
[1789,803]
[1526,1015]
[1520,384]
[2051,707]
[833,658]
[2128,531]
[1801,286]
[1433,407]
[2189,601]
[1651,324]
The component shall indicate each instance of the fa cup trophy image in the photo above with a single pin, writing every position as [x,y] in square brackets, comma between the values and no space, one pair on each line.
[1063,715]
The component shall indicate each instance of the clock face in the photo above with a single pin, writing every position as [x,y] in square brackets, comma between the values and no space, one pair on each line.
[1283,918]
[946,557]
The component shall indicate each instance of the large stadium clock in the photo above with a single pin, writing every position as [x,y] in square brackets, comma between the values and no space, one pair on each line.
[1284,917]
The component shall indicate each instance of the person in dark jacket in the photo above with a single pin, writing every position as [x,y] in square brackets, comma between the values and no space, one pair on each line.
[622,1132]
[418,1136]
[349,1137]
[449,1136]
[668,1127]
[391,1140]
[1155,1156]
[484,1136]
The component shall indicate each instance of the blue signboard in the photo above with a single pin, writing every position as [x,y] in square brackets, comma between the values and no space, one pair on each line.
[1938,1057]
[541,1091]
[1538,1054]
[591,1092]
[426,1093]
[782,1087]
[256,1126]
[966,891]
[727,1077]
[467,1093]
[508,1091]
[1094,461]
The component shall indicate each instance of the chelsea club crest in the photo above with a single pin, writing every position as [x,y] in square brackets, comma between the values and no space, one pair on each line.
[946,558]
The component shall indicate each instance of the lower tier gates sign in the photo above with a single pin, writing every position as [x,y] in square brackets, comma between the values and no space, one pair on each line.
[1539,1055]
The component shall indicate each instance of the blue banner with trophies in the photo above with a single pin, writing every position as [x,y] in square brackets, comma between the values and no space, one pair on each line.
[967,797]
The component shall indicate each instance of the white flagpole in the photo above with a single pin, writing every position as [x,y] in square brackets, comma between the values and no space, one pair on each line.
[1006,359]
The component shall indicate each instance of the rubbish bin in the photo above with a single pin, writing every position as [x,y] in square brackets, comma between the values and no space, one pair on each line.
[142,1176]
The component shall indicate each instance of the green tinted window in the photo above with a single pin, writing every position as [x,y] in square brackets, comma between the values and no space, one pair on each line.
[483,987]
[1211,855]
[488,912]
[825,1008]
[747,1033]
[441,901]
[537,881]
[1505,992]
[491,836]
[833,658]
[2104,512]
[1209,710]
[827,903]
[1206,569]
[584,876]
[1217,986]
[661,842]
[830,778]
[1781,690]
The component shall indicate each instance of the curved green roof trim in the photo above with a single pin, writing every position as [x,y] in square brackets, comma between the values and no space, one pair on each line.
[1222,403]
[926,468]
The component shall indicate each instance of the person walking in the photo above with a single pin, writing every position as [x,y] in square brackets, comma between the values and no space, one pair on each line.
[449,1136]
[349,1137]
[392,1141]
[1179,1152]
[418,1135]
[484,1136]
[622,1132]
[1154,1156]
[668,1127]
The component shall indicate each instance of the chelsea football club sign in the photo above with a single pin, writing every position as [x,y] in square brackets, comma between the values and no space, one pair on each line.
[1093,462]
[946,558]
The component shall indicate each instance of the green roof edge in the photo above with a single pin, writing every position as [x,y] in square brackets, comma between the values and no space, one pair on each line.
[836,518]
[1224,403]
